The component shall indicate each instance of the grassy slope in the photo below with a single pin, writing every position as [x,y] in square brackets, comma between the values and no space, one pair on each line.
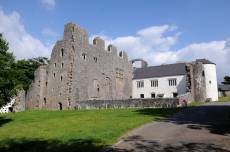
[97,127]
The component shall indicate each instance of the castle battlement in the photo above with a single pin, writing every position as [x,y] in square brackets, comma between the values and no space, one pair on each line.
[76,34]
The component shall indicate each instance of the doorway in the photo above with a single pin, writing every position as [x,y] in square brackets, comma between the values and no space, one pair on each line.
[60,106]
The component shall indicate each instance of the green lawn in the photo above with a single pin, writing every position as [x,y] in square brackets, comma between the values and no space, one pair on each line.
[224,99]
[196,103]
[84,130]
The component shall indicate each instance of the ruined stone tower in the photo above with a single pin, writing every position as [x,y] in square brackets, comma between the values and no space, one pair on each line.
[79,71]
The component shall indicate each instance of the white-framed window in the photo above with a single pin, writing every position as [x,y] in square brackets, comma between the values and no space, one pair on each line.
[140,84]
[153,95]
[142,96]
[154,83]
[172,82]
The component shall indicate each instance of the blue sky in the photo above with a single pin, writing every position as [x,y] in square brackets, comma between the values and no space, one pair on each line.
[160,31]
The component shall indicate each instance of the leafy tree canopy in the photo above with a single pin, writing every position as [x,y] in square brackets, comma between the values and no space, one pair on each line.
[226,80]
[7,77]
[15,75]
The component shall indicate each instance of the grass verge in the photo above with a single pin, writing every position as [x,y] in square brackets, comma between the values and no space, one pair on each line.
[224,99]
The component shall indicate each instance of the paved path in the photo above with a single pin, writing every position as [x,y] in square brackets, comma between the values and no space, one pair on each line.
[196,129]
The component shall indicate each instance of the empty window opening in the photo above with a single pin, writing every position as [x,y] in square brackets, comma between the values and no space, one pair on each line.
[172,82]
[62,65]
[140,84]
[142,96]
[54,75]
[73,28]
[72,47]
[109,48]
[153,95]
[61,78]
[46,84]
[154,83]
[84,56]
[98,89]
[95,59]
[44,100]
[55,64]
[175,94]
[203,74]
[62,52]
[95,41]
[120,54]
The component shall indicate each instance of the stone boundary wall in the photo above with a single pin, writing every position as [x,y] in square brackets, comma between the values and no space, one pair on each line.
[129,103]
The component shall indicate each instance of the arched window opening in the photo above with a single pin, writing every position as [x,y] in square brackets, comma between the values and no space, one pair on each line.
[44,100]
[84,56]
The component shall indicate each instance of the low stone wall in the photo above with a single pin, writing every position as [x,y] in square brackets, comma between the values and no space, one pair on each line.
[129,103]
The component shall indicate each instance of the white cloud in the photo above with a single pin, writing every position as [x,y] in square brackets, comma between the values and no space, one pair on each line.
[49,4]
[21,43]
[154,44]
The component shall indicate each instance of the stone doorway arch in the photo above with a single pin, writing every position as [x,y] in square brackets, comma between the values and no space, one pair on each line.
[60,105]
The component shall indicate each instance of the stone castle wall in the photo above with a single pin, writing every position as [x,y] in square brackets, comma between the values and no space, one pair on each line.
[129,103]
[79,71]
[197,80]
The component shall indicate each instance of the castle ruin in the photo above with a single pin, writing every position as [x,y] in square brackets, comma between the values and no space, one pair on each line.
[79,71]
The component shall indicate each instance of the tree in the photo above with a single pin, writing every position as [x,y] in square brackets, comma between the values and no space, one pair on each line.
[25,71]
[7,75]
[15,75]
[226,80]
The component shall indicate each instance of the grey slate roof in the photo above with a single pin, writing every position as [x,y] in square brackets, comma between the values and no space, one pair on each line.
[204,61]
[160,71]
[224,87]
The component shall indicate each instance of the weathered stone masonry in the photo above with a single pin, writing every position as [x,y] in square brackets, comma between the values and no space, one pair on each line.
[79,71]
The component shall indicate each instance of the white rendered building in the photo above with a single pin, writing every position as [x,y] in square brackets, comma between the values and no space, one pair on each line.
[172,80]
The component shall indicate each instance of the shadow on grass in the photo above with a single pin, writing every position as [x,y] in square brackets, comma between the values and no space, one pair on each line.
[139,144]
[4,121]
[37,145]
